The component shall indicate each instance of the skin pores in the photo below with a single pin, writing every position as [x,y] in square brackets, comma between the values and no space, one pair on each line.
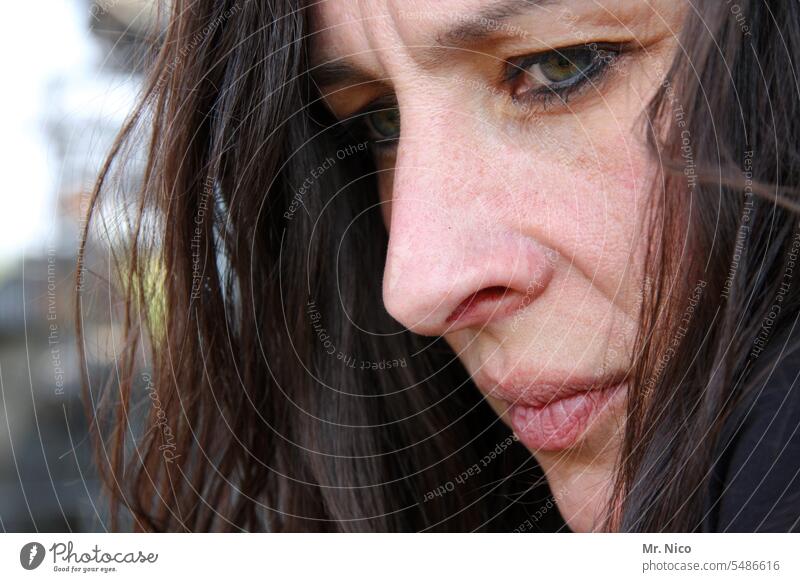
[514,177]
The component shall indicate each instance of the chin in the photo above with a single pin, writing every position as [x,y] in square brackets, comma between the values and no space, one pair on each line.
[579,457]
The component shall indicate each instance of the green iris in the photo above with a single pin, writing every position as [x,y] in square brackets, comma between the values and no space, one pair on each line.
[566,66]
[383,124]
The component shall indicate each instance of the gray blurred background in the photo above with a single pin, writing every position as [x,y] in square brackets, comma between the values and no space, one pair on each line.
[72,70]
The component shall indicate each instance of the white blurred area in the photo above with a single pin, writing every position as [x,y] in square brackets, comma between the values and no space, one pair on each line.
[63,101]
[72,73]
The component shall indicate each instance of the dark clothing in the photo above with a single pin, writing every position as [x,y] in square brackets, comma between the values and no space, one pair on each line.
[755,484]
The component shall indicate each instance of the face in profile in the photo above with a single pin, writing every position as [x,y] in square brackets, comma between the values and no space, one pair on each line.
[514,179]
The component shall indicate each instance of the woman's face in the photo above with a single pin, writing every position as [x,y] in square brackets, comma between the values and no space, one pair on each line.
[514,197]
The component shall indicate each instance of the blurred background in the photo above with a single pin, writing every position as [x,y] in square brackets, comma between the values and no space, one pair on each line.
[73,75]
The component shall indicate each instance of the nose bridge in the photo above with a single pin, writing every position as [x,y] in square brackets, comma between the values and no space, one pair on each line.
[430,177]
[429,230]
[446,242]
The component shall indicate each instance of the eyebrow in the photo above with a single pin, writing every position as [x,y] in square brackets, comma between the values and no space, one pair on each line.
[472,29]
[336,72]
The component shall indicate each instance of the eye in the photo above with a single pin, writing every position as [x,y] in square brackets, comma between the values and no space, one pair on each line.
[382,125]
[559,72]
[559,68]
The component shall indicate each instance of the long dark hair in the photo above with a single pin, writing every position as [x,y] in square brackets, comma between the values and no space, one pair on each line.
[262,385]
[724,128]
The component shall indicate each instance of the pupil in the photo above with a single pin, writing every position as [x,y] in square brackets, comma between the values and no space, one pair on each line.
[385,123]
[563,67]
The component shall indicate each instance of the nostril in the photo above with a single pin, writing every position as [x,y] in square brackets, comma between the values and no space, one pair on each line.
[473,302]
[437,285]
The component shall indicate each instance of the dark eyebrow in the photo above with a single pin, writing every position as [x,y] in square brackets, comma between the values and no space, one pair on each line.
[470,29]
[339,72]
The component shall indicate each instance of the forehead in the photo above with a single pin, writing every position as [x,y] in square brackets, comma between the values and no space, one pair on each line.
[350,24]
[362,29]
[412,18]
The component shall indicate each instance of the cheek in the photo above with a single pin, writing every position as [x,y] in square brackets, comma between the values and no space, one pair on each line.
[587,198]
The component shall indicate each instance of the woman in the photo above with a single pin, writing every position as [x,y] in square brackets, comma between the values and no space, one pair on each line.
[561,298]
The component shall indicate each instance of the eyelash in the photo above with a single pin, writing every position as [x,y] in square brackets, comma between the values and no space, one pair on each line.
[355,127]
[605,55]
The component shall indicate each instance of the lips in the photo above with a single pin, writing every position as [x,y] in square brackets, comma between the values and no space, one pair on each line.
[554,415]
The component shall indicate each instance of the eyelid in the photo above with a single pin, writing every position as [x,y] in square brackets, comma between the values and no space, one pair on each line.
[378,104]
[517,65]
[598,72]
[514,67]
[355,123]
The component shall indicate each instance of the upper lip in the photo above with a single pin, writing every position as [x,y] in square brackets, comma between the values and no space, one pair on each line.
[537,391]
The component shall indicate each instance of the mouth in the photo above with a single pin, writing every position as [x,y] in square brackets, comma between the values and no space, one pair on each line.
[554,415]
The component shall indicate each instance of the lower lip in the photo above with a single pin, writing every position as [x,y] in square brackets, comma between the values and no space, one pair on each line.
[559,424]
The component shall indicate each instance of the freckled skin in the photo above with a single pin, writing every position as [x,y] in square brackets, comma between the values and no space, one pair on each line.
[548,204]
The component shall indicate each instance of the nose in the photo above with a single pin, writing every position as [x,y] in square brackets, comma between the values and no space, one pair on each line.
[438,281]
[456,257]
